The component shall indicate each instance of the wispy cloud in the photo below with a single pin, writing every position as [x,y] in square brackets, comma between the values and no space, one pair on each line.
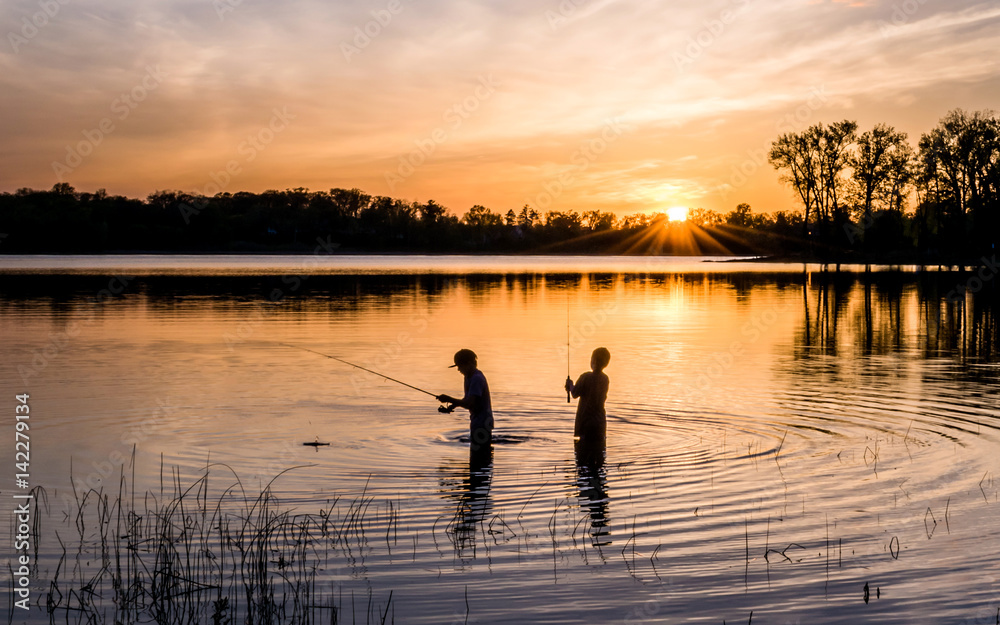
[751,62]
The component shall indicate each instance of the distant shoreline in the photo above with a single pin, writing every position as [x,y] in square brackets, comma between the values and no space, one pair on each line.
[854,260]
[349,262]
[846,259]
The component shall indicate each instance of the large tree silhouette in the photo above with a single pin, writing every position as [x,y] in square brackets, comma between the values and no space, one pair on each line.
[959,162]
[813,162]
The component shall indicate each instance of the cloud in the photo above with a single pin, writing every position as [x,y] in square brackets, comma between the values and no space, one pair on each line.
[563,67]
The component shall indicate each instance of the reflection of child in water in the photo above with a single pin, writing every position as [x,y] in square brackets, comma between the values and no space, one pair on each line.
[592,389]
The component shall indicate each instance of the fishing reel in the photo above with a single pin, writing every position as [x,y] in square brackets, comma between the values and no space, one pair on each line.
[446,409]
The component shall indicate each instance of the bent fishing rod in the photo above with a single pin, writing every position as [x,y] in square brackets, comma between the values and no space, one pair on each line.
[381,375]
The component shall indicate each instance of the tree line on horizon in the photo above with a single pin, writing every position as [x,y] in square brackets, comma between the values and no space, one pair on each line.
[855,190]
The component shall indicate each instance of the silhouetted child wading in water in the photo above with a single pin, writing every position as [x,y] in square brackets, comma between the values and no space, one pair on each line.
[592,389]
[476,400]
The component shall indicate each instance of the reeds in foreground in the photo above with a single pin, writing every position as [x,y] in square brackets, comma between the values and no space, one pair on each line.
[200,557]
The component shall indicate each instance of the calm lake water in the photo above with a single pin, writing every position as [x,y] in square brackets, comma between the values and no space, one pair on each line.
[779,437]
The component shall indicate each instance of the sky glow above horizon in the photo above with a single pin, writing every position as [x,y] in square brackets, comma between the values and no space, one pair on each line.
[573,105]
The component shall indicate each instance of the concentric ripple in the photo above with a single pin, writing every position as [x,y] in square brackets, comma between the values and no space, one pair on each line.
[775,442]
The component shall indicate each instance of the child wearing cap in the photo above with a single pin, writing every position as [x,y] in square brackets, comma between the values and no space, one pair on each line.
[476,400]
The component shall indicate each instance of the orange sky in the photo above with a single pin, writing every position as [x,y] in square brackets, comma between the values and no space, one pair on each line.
[567,105]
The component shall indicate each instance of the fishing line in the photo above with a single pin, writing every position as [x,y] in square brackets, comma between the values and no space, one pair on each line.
[381,375]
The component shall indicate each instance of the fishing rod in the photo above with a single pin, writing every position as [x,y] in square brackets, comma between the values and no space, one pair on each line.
[381,375]
[568,377]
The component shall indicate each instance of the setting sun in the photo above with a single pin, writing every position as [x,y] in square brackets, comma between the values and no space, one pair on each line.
[678,213]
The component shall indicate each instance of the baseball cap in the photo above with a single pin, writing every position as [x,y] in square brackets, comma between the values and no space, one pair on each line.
[464,356]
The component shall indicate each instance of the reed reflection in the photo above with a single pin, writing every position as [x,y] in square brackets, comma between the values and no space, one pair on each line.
[470,488]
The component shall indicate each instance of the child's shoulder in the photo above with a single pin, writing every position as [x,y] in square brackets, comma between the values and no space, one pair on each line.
[594,377]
